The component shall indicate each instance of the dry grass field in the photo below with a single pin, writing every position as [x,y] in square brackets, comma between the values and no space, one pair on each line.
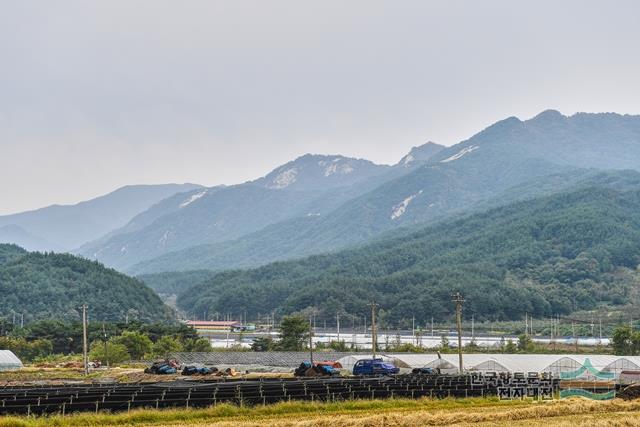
[462,412]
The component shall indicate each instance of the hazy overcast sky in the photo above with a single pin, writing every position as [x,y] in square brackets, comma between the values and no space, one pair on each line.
[99,94]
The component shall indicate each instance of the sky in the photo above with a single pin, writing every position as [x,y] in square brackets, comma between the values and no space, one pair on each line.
[99,94]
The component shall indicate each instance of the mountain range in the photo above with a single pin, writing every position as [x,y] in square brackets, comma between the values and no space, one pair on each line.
[66,227]
[558,171]
[555,254]
[431,183]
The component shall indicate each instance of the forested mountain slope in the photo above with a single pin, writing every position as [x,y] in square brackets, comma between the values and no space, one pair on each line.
[310,186]
[48,285]
[497,163]
[553,254]
[297,238]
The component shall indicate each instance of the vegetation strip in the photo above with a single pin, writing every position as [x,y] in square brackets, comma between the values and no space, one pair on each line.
[228,411]
[391,412]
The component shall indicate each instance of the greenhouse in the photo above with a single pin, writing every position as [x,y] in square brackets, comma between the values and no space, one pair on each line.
[567,365]
[9,361]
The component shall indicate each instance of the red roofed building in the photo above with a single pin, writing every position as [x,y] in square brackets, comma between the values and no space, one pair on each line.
[214,325]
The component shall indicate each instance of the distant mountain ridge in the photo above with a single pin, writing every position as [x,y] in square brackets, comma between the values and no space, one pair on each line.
[320,172]
[421,153]
[310,186]
[66,227]
[508,154]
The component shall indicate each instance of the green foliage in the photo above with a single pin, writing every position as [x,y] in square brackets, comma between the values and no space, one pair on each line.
[174,282]
[333,345]
[263,344]
[339,345]
[471,347]
[113,354]
[555,254]
[294,333]
[138,340]
[166,345]
[626,341]
[525,344]
[136,343]
[9,253]
[406,348]
[67,337]
[199,345]
[510,347]
[26,351]
[48,285]
[444,343]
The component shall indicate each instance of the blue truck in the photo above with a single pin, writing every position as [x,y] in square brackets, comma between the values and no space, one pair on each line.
[372,367]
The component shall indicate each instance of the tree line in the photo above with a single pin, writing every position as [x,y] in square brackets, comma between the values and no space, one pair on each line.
[109,342]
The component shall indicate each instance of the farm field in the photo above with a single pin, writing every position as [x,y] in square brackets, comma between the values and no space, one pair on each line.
[394,412]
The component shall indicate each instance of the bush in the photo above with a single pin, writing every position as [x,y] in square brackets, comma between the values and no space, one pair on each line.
[262,344]
[525,344]
[200,345]
[625,342]
[166,345]
[27,350]
[137,344]
[294,333]
[113,354]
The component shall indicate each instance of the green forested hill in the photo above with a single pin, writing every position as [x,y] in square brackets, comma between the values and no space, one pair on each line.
[48,285]
[174,282]
[548,255]
[9,253]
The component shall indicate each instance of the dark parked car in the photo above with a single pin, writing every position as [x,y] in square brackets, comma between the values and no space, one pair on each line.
[374,367]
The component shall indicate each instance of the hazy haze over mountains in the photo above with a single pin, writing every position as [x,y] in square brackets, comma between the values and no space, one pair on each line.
[63,228]
[101,94]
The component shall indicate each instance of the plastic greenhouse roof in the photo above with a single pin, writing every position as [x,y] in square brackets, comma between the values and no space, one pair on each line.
[517,362]
[8,360]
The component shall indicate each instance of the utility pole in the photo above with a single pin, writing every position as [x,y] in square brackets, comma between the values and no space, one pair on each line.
[600,339]
[431,326]
[311,341]
[373,329]
[458,299]
[473,327]
[22,320]
[338,325]
[364,319]
[353,331]
[106,349]
[413,328]
[85,357]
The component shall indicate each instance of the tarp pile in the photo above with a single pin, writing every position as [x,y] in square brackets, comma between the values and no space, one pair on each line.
[198,370]
[306,369]
[163,367]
